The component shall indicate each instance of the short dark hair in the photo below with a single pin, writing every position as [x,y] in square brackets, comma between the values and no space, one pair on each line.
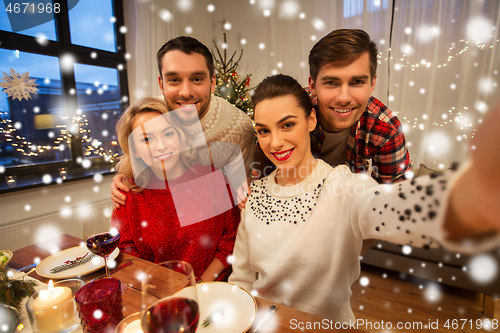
[187,45]
[282,85]
[342,44]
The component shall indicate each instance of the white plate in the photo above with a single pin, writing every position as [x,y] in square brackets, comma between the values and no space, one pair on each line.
[232,308]
[44,267]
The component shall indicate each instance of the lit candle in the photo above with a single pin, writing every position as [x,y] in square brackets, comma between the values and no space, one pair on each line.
[54,309]
[133,327]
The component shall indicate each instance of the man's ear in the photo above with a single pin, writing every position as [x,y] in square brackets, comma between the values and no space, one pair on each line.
[212,84]
[312,86]
[312,120]
[160,83]
[374,80]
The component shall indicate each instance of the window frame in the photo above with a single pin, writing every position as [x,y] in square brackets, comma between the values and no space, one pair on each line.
[31,175]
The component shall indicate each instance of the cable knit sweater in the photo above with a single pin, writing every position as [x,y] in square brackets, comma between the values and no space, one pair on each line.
[150,229]
[225,123]
[299,245]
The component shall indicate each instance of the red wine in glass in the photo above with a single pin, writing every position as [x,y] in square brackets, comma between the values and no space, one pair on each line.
[171,315]
[103,244]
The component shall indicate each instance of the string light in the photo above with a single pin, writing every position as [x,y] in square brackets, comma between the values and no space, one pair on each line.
[27,148]
[450,57]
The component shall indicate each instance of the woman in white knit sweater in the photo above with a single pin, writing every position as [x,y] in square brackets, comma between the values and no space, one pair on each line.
[301,232]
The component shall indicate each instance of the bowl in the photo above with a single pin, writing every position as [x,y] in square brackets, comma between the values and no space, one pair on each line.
[8,254]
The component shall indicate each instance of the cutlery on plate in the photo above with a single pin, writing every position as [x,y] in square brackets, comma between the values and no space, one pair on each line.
[272,309]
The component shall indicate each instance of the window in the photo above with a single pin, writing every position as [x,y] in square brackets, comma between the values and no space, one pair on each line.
[63,86]
[355,7]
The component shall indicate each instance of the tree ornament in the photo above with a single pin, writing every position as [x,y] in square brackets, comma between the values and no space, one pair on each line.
[18,86]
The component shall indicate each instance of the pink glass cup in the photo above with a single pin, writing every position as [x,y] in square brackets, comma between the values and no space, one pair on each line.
[99,305]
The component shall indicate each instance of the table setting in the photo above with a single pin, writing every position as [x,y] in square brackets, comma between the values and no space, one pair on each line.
[116,299]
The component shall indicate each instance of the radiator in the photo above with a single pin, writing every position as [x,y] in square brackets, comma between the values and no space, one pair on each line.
[18,234]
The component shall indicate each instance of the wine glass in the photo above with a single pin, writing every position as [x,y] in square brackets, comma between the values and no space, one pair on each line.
[100,237]
[169,301]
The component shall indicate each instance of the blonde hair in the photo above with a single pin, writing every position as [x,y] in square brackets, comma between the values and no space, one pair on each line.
[124,129]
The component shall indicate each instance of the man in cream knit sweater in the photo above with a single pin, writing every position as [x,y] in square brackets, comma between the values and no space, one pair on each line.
[187,80]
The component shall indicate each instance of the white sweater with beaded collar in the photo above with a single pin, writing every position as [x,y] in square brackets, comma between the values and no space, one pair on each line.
[299,245]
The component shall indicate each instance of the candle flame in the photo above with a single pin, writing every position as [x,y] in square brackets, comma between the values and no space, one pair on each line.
[51,286]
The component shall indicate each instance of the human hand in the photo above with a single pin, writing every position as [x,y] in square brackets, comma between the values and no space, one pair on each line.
[476,194]
[117,197]
[244,190]
[485,162]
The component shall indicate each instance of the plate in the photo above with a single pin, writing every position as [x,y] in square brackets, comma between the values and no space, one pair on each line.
[231,308]
[44,267]
[8,254]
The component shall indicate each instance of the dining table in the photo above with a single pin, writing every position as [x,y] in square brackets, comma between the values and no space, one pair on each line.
[286,319]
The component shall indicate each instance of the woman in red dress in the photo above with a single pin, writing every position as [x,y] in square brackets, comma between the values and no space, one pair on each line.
[177,209]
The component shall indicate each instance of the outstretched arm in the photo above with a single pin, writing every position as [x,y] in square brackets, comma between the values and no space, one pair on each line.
[458,210]
[474,207]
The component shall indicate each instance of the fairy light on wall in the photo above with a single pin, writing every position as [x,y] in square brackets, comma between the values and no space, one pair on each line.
[406,63]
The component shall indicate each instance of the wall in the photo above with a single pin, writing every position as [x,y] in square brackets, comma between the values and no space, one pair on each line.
[53,209]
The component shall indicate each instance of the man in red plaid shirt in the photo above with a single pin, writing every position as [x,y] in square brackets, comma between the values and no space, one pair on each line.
[354,127]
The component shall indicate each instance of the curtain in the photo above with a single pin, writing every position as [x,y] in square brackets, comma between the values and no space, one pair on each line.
[438,59]
[443,74]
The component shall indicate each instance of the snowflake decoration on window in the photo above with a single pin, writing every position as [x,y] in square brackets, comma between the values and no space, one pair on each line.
[18,86]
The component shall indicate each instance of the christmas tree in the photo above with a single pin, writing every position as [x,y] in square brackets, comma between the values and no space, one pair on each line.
[229,85]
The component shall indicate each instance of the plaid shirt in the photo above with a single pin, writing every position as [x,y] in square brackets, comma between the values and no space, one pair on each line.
[378,137]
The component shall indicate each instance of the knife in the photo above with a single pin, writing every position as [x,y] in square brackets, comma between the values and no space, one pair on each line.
[272,309]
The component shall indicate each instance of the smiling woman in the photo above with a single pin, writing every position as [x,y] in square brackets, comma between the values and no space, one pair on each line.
[285,119]
[158,144]
[170,212]
[303,226]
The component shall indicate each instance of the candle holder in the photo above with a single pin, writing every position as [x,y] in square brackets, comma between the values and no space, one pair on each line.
[130,324]
[58,318]
[11,181]
[10,318]
[99,305]
[63,172]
